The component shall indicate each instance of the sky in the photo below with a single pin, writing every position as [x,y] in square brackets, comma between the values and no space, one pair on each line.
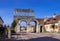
[41,8]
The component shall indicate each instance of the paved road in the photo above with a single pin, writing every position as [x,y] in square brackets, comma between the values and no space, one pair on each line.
[23,36]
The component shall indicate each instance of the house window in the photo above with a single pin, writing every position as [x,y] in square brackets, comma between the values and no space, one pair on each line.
[53,26]
[56,27]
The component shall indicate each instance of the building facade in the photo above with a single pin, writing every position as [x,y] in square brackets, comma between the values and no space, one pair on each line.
[52,24]
[41,25]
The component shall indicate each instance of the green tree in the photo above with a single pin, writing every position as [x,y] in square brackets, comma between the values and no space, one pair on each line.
[14,23]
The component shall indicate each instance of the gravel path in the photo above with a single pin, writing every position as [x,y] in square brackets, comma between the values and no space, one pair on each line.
[27,36]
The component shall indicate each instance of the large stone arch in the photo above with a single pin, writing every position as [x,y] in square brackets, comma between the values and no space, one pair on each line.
[22,20]
[25,21]
[18,25]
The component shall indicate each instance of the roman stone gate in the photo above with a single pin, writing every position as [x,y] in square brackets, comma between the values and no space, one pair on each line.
[26,15]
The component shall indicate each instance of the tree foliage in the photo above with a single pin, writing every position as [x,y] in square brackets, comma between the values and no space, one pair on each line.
[14,23]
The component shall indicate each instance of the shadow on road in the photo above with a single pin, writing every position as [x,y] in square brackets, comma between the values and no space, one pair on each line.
[39,39]
[44,39]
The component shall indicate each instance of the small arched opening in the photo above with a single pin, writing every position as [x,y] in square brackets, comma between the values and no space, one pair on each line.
[33,25]
[23,25]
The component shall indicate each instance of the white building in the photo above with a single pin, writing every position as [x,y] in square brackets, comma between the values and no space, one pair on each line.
[51,24]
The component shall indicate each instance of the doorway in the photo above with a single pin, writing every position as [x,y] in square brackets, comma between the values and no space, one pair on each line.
[40,28]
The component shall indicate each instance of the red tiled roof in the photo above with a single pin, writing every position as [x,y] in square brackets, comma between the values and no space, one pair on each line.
[50,20]
[41,21]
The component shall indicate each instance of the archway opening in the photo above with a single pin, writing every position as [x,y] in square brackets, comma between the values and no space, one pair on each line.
[33,25]
[23,26]
[41,28]
[53,27]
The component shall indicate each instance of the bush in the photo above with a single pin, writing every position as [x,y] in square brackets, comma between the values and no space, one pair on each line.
[2,29]
[2,32]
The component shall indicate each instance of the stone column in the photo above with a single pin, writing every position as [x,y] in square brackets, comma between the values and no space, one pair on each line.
[28,27]
[9,33]
[42,28]
[37,28]
[18,28]
[31,14]
[59,26]
[23,14]
[16,13]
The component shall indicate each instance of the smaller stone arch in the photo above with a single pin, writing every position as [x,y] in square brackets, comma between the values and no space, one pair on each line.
[36,23]
[32,26]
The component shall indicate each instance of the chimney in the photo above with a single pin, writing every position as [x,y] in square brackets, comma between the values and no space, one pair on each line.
[45,19]
[54,15]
